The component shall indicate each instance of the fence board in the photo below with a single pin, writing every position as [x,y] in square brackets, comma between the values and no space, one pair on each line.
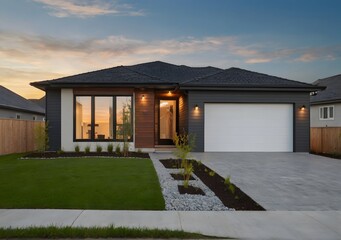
[325,140]
[17,135]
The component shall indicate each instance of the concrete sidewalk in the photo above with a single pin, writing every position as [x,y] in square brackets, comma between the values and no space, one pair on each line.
[252,225]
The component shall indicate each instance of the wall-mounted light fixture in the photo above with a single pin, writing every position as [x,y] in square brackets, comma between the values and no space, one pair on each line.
[302,107]
[142,96]
[196,107]
[169,92]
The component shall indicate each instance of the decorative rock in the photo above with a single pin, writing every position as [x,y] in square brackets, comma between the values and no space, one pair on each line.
[174,201]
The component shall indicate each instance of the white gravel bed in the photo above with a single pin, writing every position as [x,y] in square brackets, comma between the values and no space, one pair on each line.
[184,202]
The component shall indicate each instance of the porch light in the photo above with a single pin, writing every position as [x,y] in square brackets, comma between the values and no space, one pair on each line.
[143,97]
[196,107]
[302,107]
[169,93]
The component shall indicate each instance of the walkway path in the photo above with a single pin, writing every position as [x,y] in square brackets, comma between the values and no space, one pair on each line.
[253,225]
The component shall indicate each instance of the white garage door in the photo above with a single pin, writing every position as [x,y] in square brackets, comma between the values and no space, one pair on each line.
[248,127]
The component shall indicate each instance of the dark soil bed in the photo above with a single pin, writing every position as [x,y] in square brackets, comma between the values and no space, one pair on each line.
[172,163]
[179,176]
[239,200]
[190,190]
[83,154]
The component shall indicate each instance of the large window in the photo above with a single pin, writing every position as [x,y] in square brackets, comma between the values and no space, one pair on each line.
[83,118]
[103,118]
[327,113]
[123,118]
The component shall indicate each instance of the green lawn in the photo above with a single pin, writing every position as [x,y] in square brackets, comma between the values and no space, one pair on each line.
[79,183]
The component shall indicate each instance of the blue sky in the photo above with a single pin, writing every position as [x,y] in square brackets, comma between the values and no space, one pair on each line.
[46,39]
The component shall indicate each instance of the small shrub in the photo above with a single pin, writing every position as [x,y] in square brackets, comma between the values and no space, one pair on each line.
[118,149]
[77,149]
[184,143]
[98,148]
[41,139]
[61,151]
[230,186]
[110,148]
[87,149]
[206,170]
[211,173]
[125,149]
[139,150]
[199,162]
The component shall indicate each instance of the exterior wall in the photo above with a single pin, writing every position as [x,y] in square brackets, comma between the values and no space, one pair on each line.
[53,117]
[315,118]
[144,118]
[183,114]
[301,117]
[66,118]
[12,114]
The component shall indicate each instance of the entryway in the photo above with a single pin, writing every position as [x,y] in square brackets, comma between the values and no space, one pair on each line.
[168,121]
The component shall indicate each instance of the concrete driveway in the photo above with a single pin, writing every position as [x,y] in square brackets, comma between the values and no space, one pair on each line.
[282,181]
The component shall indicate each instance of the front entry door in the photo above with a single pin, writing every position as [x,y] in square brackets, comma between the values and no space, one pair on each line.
[167,121]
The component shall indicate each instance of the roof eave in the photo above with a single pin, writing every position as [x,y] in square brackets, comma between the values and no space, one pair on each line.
[45,86]
[21,109]
[325,101]
[246,88]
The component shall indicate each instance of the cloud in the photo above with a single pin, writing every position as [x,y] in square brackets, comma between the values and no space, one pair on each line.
[329,53]
[17,80]
[27,57]
[88,8]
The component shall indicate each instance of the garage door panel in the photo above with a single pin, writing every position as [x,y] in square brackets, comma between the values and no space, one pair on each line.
[249,127]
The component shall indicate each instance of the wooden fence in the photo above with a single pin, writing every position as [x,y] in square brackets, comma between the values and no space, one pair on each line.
[17,136]
[325,140]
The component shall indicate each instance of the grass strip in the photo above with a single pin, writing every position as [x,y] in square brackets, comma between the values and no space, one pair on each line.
[96,232]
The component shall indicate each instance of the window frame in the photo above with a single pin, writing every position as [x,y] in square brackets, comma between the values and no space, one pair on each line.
[321,112]
[93,110]
[18,116]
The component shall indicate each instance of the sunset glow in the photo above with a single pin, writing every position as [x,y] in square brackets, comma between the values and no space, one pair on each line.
[45,39]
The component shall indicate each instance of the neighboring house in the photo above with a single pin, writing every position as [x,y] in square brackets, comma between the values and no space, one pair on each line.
[325,110]
[14,106]
[40,102]
[226,110]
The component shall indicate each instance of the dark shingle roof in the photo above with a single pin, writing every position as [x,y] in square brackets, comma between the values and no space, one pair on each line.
[236,77]
[173,73]
[11,100]
[332,91]
[115,75]
[40,102]
[160,73]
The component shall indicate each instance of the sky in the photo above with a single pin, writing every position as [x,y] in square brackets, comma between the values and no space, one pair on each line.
[48,39]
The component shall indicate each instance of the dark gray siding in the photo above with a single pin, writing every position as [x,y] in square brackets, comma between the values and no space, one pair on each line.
[301,118]
[53,116]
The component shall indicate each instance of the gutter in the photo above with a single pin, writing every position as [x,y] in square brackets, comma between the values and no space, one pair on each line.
[21,109]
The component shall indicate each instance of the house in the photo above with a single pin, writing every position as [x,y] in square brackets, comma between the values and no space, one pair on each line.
[40,102]
[226,110]
[325,110]
[14,106]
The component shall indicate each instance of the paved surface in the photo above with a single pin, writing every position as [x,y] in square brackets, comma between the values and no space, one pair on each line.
[282,181]
[252,225]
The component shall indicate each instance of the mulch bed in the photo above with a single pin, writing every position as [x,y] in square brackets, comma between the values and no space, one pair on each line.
[239,200]
[190,190]
[172,163]
[82,154]
[179,176]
